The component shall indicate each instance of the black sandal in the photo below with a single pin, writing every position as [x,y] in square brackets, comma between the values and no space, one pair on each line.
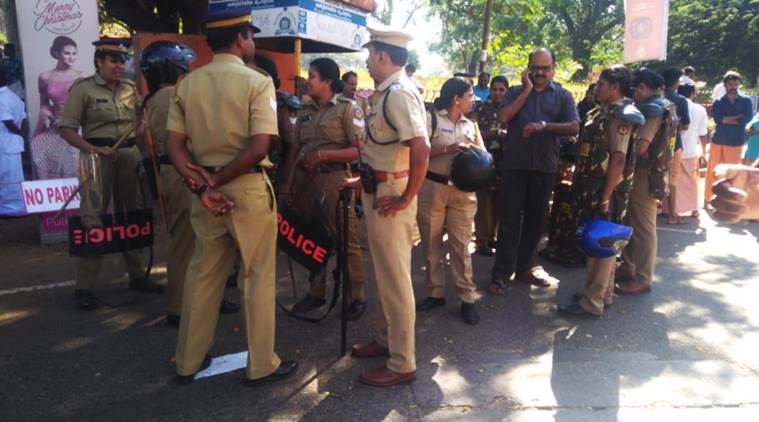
[498,287]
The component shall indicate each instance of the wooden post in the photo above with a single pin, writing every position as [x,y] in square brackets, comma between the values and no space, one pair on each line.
[486,35]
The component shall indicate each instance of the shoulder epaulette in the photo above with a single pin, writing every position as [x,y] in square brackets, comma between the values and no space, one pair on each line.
[627,111]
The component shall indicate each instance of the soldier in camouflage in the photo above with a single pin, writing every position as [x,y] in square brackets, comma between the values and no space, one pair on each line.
[655,147]
[603,180]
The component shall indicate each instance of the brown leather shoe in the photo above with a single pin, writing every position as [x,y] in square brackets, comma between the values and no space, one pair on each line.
[537,277]
[384,377]
[369,350]
[633,288]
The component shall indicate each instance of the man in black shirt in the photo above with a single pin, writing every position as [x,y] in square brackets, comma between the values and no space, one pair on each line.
[537,113]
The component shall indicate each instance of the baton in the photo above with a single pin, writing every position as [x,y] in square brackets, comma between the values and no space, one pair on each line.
[151,153]
[345,206]
[82,184]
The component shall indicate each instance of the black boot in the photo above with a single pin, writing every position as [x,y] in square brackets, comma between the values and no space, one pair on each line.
[356,310]
[469,314]
[85,300]
[430,303]
[145,285]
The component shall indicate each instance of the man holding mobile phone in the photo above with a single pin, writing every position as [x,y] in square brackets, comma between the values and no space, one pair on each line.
[537,113]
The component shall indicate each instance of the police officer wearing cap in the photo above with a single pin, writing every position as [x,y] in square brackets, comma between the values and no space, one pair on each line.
[221,121]
[397,152]
[329,129]
[444,208]
[104,106]
[162,63]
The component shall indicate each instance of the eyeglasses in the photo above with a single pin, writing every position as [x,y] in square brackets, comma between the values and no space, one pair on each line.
[540,68]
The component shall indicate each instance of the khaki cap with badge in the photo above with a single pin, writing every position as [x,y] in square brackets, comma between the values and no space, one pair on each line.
[389,36]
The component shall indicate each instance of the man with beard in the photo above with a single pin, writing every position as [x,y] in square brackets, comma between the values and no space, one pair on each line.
[731,113]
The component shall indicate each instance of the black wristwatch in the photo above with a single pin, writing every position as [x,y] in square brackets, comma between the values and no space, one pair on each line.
[200,190]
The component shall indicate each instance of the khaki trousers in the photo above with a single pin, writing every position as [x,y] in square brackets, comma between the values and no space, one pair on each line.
[486,218]
[639,256]
[177,201]
[599,284]
[719,154]
[251,229]
[390,243]
[106,179]
[443,208]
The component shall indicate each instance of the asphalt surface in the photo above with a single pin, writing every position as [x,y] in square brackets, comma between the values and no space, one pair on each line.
[686,351]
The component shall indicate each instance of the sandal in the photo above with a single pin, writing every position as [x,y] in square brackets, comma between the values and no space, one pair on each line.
[498,287]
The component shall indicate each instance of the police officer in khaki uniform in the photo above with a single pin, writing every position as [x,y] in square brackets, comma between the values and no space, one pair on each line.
[329,129]
[220,124]
[162,64]
[104,106]
[397,149]
[445,208]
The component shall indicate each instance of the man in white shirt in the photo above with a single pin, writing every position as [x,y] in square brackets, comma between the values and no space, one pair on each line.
[12,134]
[694,146]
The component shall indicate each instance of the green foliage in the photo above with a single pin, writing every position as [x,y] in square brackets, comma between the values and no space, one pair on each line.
[715,36]
[588,31]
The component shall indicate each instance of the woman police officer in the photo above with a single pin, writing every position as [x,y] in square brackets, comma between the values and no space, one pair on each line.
[442,206]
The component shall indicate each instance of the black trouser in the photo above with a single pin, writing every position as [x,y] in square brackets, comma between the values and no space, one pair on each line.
[523,206]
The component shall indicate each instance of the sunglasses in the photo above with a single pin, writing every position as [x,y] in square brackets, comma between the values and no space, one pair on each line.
[540,68]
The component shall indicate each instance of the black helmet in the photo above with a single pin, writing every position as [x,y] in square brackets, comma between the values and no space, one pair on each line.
[472,169]
[163,62]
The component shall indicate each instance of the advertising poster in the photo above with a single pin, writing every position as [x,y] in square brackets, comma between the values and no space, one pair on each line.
[56,41]
[646,23]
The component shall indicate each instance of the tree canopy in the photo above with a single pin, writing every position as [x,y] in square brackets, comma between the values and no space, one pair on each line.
[184,16]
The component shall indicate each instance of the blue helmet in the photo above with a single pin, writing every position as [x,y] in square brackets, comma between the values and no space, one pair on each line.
[601,239]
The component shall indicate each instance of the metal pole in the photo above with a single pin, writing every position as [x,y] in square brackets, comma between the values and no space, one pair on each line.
[297,56]
[486,35]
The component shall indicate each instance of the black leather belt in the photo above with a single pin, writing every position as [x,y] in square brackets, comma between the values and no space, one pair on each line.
[439,178]
[332,167]
[109,142]
[216,169]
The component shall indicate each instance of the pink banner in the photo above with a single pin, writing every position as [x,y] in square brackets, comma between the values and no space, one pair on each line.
[646,23]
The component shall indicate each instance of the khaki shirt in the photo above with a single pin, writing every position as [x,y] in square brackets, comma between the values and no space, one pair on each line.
[158,115]
[448,133]
[361,102]
[334,127]
[220,106]
[405,108]
[619,132]
[100,112]
[648,130]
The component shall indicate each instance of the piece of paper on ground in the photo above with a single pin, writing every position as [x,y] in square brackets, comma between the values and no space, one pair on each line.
[224,364]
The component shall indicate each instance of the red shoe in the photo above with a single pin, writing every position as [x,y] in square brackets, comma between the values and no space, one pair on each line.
[632,288]
[384,377]
[369,350]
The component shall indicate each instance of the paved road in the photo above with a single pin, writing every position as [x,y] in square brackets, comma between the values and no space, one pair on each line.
[687,351]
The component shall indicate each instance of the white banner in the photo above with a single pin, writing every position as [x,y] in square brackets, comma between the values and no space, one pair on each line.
[50,195]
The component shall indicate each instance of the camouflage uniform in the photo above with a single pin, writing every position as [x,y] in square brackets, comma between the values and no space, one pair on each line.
[607,130]
[651,183]
[486,218]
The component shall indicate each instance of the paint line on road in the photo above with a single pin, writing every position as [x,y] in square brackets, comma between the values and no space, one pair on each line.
[667,229]
[48,286]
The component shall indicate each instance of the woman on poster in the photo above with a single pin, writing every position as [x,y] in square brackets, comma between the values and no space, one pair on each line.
[52,156]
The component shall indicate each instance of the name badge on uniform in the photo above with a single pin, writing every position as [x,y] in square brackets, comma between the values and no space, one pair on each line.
[446,130]
[584,150]
[101,100]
